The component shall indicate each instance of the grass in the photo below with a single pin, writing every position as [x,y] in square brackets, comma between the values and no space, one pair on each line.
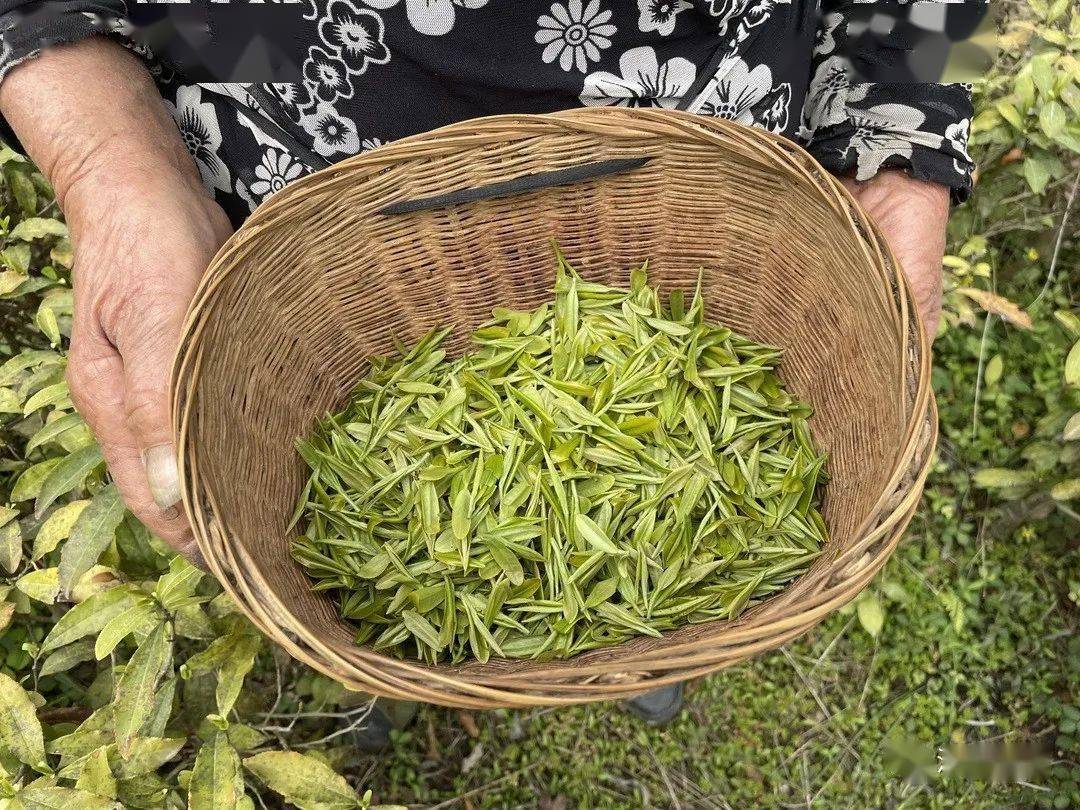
[976,645]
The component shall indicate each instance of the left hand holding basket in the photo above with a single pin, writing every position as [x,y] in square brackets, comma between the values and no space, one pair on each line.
[912,215]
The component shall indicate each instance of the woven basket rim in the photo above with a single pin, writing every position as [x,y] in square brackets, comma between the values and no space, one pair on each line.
[453,685]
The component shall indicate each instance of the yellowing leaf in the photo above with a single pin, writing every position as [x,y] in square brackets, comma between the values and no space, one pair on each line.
[49,395]
[1067,490]
[245,738]
[234,669]
[216,781]
[56,528]
[992,373]
[47,323]
[147,754]
[1052,119]
[1072,428]
[29,484]
[9,401]
[1037,173]
[51,797]
[1042,73]
[20,731]
[1072,365]
[11,547]
[11,280]
[871,615]
[1010,114]
[302,780]
[17,257]
[98,578]
[13,368]
[91,535]
[38,228]
[9,155]
[42,585]
[149,790]
[96,777]
[1000,478]
[62,254]
[997,305]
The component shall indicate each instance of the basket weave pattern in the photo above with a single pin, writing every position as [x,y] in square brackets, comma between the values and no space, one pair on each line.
[317,280]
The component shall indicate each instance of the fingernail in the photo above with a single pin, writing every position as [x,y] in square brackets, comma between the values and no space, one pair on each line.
[162,475]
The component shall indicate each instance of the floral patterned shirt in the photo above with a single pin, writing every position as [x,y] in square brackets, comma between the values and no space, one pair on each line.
[330,78]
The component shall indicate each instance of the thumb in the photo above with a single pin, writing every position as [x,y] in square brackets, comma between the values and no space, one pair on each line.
[148,357]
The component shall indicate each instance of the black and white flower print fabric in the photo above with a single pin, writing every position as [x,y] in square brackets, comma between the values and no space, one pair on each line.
[643,80]
[356,34]
[859,128]
[574,34]
[371,71]
[199,129]
[749,96]
[660,15]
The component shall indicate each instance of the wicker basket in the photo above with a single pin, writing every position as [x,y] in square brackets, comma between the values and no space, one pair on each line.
[322,275]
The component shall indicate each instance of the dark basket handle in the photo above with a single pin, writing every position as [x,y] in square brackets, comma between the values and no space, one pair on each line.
[519,185]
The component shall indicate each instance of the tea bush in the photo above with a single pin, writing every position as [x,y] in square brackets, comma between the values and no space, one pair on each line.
[127,677]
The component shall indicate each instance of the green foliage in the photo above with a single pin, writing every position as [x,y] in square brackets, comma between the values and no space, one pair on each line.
[122,667]
[1020,227]
[127,677]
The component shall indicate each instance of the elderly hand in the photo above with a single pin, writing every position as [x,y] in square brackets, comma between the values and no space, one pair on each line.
[912,215]
[143,230]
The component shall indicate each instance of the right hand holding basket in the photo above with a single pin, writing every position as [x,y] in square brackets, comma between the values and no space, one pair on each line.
[143,230]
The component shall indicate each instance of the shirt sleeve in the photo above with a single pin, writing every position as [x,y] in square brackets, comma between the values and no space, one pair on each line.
[870,105]
[29,26]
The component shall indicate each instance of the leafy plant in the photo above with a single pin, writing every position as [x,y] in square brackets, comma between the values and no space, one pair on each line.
[969,634]
[122,667]
[1021,224]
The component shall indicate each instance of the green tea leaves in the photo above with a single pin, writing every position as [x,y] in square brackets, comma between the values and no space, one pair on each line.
[422,629]
[91,534]
[67,475]
[137,685]
[89,617]
[216,780]
[593,470]
[595,536]
[461,516]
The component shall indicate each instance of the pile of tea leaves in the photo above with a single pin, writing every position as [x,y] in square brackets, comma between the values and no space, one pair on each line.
[596,469]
